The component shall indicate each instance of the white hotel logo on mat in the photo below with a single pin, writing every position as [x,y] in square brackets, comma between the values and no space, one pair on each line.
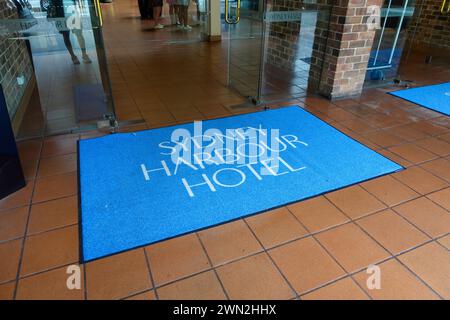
[239,150]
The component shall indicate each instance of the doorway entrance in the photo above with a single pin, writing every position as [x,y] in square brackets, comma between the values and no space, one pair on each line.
[276,48]
[165,76]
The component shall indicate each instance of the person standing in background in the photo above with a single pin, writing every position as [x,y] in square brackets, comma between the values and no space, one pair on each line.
[197,3]
[183,14]
[173,11]
[157,8]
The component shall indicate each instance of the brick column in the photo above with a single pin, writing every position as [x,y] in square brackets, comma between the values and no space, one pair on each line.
[348,48]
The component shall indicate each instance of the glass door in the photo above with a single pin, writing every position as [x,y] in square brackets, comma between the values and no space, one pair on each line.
[245,48]
[429,34]
[389,42]
[62,75]
[276,48]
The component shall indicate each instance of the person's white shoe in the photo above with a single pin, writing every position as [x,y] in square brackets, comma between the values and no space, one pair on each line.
[187,28]
[158,26]
[86,59]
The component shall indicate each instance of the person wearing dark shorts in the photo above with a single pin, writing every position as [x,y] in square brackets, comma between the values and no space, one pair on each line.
[157,7]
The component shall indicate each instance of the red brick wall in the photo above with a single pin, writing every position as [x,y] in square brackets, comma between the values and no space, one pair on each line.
[341,44]
[14,62]
[348,48]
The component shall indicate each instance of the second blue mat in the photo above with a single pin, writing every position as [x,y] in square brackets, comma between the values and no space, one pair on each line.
[435,97]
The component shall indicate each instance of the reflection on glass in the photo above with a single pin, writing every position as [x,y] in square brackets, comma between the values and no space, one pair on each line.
[66,16]
[387,49]
[70,86]
[277,49]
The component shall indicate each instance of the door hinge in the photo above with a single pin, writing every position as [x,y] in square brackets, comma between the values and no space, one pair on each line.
[109,121]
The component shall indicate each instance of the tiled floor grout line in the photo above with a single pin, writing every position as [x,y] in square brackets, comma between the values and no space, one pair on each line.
[404,142]
[431,172]
[152,280]
[395,256]
[238,259]
[376,113]
[12,208]
[413,224]
[22,249]
[393,209]
[419,278]
[134,100]
[52,268]
[296,295]
[406,201]
[405,251]
[447,184]
[440,244]
[392,255]
[385,128]
[41,232]
[212,266]
[138,293]
[326,250]
[58,198]
[354,135]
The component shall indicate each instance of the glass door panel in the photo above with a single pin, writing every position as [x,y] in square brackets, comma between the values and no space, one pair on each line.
[295,39]
[245,30]
[429,39]
[65,66]
[390,38]
[202,16]
[276,48]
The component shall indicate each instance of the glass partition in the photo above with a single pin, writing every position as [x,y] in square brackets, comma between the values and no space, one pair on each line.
[429,39]
[276,48]
[61,71]
[389,42]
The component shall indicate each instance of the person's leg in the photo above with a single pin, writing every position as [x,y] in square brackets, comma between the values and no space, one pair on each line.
[180,15]
[81,42]
[178,12]
[186,16]
[173,14]
[157,16]
[198,10]
[68,44]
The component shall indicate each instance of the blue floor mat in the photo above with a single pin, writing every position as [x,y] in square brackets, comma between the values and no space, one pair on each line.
[435,97]
[133,193]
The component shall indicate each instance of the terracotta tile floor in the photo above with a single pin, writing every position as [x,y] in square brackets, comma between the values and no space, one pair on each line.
[315,249]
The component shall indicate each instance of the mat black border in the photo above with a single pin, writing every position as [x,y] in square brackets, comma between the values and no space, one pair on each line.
[80,220]
[80,216]
[392,93]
